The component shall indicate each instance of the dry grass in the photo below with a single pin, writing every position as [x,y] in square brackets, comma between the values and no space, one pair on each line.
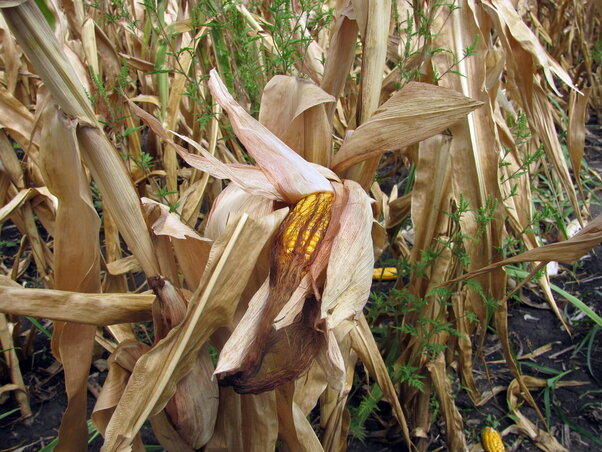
[114,140]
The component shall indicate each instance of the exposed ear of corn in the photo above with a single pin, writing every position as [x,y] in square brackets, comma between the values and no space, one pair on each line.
[492,440]
[385,273]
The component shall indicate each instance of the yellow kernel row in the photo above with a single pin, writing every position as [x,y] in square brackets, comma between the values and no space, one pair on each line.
[306,223]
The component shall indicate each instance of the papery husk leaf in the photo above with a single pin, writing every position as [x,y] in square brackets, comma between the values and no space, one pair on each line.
[290,173]
[227,434]
[167,435]
[92,309]
[332,361]
[259,421]
[249,178]
[416,112]
[120,363]
[76,264]
[367,350]
[246,423]
[294,305]
[232,202]
[154,378]
[453,419]
[334,416]
[294,110]
[349,271]
[242,338]
[193,409]
[309,388]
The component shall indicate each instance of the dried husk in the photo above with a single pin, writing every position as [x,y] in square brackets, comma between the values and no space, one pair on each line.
[347,289]
[292,175]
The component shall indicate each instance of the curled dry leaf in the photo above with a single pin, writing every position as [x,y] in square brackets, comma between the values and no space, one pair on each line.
[543,439]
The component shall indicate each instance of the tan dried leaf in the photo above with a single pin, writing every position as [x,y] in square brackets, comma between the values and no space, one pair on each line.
[92,309]
[416,112]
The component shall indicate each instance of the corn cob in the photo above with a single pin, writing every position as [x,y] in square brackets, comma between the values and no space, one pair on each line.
[385,273]
[492,440]
[306,224]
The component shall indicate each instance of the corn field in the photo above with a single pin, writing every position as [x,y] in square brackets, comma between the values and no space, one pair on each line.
[202,191]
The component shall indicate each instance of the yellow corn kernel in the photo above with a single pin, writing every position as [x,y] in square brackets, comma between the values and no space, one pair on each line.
[304,226]
[492,440]
[385,273]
